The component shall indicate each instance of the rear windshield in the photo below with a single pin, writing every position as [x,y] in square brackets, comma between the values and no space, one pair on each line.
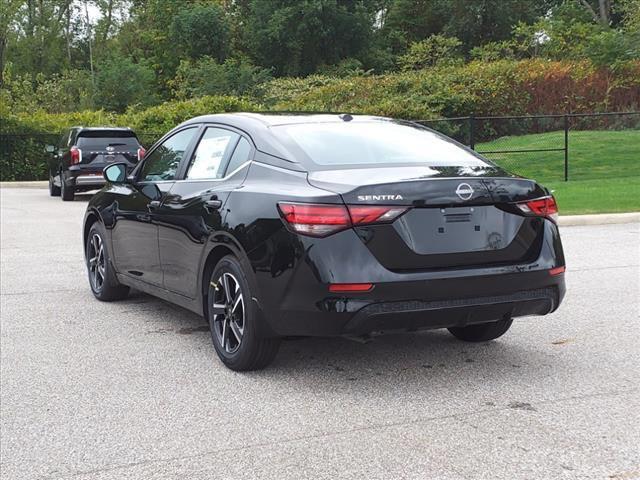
[101,139]
[354,143]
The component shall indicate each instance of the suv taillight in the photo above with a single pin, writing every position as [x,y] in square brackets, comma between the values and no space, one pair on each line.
[320,220]
[76,155]
[541,207]
[141,152]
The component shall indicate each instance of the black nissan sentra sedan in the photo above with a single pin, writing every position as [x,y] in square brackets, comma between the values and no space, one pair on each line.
[273,226]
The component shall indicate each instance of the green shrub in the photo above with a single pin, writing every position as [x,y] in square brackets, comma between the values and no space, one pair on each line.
[23,137]
[208,77]
[432,51]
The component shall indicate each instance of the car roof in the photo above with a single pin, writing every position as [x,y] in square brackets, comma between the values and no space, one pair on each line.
[282,118]
[117,129]
[258,126]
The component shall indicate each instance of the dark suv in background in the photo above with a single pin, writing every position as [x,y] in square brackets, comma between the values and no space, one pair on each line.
[82,154]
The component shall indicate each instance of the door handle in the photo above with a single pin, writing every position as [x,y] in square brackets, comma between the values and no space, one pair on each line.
[213,204]
[153,204]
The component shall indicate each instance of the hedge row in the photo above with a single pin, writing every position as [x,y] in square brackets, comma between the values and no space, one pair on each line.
[478,88]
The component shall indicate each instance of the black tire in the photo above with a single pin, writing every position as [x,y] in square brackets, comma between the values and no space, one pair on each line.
[102,278]
[233,321]
[67,193]
[482,332]
[54,191]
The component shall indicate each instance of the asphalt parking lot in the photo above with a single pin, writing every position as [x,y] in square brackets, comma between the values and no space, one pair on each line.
[134,390]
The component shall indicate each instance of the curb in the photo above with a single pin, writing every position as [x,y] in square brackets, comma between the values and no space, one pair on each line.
[564,221]
[598,219]
[32,184]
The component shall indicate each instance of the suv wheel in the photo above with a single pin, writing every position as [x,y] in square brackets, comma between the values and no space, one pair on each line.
[102,278]
[53,190]
[67,193]
[482,332]
[232,320]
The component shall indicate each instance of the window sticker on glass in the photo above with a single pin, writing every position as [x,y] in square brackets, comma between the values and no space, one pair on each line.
[210,153]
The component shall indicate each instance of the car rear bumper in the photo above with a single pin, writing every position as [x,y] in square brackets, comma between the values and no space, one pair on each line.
[86,180]
[416,305]
[415,315]
[297,301]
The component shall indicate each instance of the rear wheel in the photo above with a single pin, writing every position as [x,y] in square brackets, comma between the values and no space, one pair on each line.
[482,332]
[233,320]
[67,193]
[102,278]
[54,191]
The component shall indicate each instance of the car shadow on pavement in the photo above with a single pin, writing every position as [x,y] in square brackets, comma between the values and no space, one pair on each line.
[317,363]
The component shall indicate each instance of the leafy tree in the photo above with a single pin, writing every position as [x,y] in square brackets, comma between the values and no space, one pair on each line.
[477,22]
[201,30]
[208,77]
[120,83]
[434,50]
[34,37]
[296,37]
[9,10]
[630,12]
[412,20]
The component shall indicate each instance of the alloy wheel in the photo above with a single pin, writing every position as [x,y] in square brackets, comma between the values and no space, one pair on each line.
[97,264]
[228,312]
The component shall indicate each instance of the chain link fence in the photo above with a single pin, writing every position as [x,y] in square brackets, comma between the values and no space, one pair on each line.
[545,147]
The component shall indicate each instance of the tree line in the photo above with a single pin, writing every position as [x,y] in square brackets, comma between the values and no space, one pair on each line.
[71,55]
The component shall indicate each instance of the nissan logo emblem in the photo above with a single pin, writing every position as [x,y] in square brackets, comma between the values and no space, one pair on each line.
[464,191]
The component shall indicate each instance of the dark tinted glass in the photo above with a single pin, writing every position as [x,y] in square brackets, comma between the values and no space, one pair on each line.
[101,139]
[353,143]
[163,162]
[240,155]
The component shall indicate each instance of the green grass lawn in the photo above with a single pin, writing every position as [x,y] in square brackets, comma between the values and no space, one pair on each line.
[604,168]
[609,195]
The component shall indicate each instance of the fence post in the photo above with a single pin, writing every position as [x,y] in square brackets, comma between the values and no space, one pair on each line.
[566,148]
[472,139]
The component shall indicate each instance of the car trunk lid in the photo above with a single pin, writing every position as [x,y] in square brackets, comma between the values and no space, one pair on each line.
[459,217]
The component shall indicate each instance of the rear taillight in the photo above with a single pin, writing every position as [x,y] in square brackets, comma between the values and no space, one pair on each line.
[541,207]
[319,220]
[76,155]
[365,214]
[141,152]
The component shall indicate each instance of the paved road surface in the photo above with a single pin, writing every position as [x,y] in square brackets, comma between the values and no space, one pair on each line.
[134,390]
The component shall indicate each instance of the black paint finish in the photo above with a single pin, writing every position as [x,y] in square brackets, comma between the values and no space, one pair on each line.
[445,262]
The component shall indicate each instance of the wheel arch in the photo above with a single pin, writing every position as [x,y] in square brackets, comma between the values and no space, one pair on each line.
[91,217]
[213,257]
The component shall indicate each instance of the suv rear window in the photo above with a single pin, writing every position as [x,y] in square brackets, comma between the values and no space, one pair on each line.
[354,143]
[101,139]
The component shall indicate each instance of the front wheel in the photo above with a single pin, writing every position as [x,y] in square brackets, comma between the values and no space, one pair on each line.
[233,320]
[102,278]
[482,332]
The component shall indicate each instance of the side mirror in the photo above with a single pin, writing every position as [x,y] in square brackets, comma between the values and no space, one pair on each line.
[115,173]
[49,148]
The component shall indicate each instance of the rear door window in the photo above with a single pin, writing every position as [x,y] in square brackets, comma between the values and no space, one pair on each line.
[208,160]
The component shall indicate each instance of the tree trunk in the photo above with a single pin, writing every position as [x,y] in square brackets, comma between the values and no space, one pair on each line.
[108,21]
[3,46]
[605,9]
